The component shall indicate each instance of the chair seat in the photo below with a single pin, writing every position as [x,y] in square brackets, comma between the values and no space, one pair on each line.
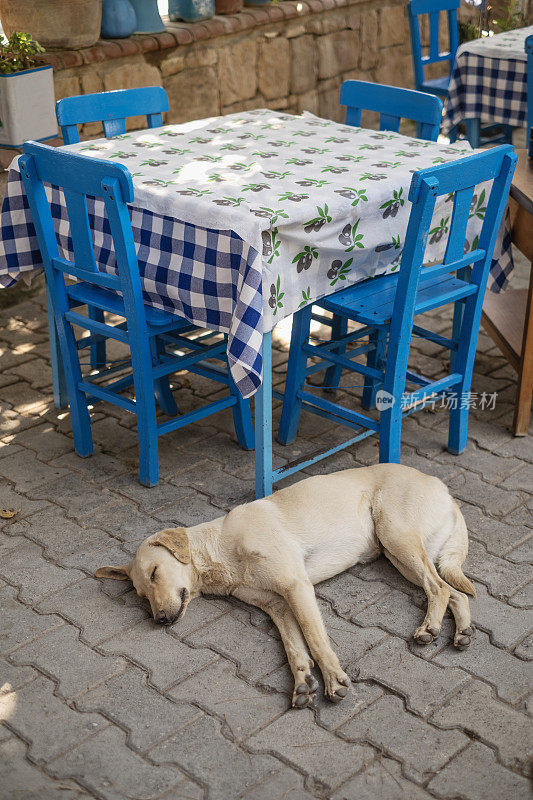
[371,302]
[437,86]
[88,294]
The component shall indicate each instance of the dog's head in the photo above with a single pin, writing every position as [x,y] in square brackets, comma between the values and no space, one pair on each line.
[162,572]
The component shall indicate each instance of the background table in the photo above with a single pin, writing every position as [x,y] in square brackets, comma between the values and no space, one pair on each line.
[488,81]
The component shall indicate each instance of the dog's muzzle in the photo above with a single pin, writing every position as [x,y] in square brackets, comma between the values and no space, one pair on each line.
[162,618]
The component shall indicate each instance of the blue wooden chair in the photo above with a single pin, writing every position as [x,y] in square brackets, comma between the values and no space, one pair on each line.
[476,135]
[386,307]
[529,79]
[111,109]
[151,335]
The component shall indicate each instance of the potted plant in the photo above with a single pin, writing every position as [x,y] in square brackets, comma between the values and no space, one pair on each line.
[27,102]
[66,24]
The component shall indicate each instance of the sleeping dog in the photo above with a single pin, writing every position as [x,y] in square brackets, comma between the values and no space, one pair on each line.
[270,552]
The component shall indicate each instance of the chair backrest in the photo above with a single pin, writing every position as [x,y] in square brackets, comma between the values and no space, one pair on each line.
[393,105]
[433,8]
[111,109]
[79,177]
[457,178]
[529,79]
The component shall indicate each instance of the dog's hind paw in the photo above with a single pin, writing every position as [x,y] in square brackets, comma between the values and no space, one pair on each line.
[304,693]
[337,685]
[463,638]
[426,633]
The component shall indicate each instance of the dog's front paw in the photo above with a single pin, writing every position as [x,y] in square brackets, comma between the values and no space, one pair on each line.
[304,693]
[336,685]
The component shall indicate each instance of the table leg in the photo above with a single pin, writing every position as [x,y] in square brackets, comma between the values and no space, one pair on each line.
[58,373]
[263,424]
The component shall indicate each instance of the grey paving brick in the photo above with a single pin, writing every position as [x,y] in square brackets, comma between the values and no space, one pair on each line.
[349,641]
[35,577]
[220,692]
[525,649]
[23,781]
[497,502]
[255,652]
[68,726]
[122,519]
[505,625]
[348,594]
[476,775]
[524,597]
[10,499]
[37,372]
[395,613]
[285,784]
[361,695]
[522,553]
[381,780]
[97,615]
[98,468]
[61,656]
[128,701]
[501,577]
[477,712]
[490,467]
[496,535]
[509,676]
[423,684]
[202,751]
[13,677]
[298,741]
[199,613]
[382,570]
[73,493]
[19,624]
[113,437]
[518,446]
[45,441]
[148,500]
[190,510]
[166,659]
[24,400]
[109,768]
[521,480]
[522,516]
[422,748]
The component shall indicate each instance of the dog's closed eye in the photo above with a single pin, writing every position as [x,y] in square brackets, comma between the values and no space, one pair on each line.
[152,576]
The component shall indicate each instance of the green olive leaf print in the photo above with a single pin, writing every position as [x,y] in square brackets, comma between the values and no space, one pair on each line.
[274,214]
[477,209]
[275,246]
[350,238]
[317,222]
[393,205]
[306,297]
[338,271]
[356,195]
[438,231]
[276,296]
[304,258]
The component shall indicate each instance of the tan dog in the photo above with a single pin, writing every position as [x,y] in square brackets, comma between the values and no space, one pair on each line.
[269,553]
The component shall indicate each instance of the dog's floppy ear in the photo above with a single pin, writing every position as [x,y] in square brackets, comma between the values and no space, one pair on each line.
[176,541]
[117,573]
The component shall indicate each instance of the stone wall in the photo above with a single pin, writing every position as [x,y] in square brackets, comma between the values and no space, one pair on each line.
[290,55]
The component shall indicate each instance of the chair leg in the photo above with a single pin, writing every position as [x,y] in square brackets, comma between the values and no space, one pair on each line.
[339,327]
[242,417]
[464,365]
[263,425]
[79,413]
[473,132]
[292,404]
[390,434]
[147,431]
[58,373]
[163,392]
[375,359]
[98,349]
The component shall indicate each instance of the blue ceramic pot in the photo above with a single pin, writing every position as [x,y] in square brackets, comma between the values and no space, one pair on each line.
[118,19]
[148,18]
[190,10]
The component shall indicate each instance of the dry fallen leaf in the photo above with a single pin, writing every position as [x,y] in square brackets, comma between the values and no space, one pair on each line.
[8,513]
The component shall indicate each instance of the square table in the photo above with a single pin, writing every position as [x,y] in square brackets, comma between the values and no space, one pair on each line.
[489,81]
[241,220]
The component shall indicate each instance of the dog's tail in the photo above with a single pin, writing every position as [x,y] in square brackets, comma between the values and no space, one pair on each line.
[452,555]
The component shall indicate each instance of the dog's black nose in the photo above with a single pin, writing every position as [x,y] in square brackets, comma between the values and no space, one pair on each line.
[161,617]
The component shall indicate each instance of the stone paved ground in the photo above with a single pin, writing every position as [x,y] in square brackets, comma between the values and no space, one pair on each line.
[97,702]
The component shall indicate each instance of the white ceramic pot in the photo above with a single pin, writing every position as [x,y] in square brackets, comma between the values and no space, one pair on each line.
[27,106]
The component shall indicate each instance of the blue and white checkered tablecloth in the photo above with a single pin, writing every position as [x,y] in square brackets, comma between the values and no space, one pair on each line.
[488,81]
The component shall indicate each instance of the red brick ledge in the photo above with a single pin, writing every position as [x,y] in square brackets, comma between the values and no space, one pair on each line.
[183,33]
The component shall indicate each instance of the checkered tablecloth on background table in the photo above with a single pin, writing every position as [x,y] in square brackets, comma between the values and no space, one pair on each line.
[488,81]
[241,220]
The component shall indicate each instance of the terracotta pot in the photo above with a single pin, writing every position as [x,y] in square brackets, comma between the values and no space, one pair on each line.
[228,6]
[65,24]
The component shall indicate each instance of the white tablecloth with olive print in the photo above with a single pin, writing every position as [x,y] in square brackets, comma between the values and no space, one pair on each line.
[316,205]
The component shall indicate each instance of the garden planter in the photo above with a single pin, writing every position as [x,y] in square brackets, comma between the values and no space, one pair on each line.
[256,2]
[148,17]
[66,24]
[190,10]
[118,19]
[228,6]
[27,106]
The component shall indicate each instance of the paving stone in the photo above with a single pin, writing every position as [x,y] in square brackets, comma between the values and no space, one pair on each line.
[62,657]
[190,510]
[13,677]
[395,613]
[98,468]
[219,691]
[505,625]
[491,499]
[24,400]
[23,781]
[203,753]
[68,726]
[518,446]
[128,701]
[313,750]
[349,641]
[524,597]
[495,534]
[35,577]
[423,684]
[231,636]
[217,484]
[521,480]
[509,676]
[490,467]
[382,570]
[97,615]
[73,493]
[475,710]
[147,499]
[122,519]
[113,437]
[476,775]
[109,768]
[361,695]
[19,624]
[381,780]
[285,784]
[522,553]
[199,613]
[501,577]
[525,649]
[423,748]
[166,659]
[522,516]
[348,594]
[12,500]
